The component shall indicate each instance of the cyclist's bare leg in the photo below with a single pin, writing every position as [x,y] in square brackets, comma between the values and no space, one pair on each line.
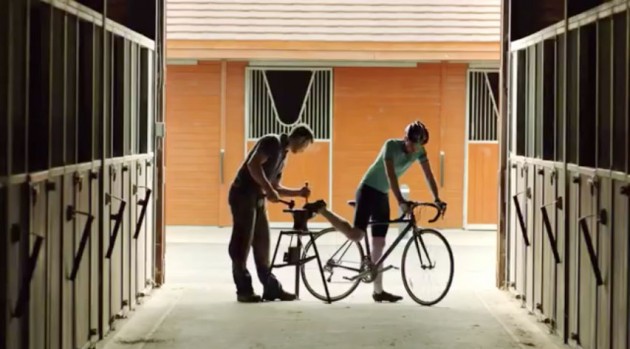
[378,245]
[338,222]
[342,225]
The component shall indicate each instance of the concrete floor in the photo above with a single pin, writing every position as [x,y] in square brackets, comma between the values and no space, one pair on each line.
[197,307]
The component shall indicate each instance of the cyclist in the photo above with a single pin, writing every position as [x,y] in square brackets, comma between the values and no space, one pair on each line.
[372,201]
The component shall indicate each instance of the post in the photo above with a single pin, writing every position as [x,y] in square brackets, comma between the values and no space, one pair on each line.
[503,145]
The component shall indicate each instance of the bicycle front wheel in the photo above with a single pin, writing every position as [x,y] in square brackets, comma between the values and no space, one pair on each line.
[427,267]
[341,260]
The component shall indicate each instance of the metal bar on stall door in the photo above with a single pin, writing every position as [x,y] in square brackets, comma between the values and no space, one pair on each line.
[311,112]
[255,117]
[597,103]
[486,114]
[320,98]
[555,101]
[259,113]
[65,100]
[489,110]
[251,116]
[627,155]
[25,286]
[611,183]
[521,219]
[564,188]
[473,119]
[102,72]
[627,145]
[482,108]
[8,133]
[475,104]
[313,100]
[483,104]
[598,97]
[264,106]
[27,87]
[322,104]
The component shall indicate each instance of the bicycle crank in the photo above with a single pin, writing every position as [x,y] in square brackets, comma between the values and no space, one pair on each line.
[369,275]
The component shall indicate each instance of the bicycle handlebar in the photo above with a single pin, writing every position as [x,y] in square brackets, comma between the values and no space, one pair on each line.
[414,204]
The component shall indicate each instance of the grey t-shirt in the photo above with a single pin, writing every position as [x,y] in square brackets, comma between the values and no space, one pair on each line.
[274,146]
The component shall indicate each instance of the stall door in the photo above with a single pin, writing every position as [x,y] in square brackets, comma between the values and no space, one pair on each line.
[278,99]
[483,150]
[193,101]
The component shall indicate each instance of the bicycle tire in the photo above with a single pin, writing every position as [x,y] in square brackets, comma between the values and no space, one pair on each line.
[451,269]
[308,286]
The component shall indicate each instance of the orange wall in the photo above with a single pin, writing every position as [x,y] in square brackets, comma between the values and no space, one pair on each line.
[194,193]
[192,144]
[483,166]
[453,128]
[234,132]
[370,105]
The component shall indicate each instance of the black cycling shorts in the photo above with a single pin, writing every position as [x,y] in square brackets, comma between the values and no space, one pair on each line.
[371,204]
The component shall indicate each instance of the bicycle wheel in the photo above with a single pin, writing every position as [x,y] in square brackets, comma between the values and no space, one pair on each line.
[341,259]
[431,257]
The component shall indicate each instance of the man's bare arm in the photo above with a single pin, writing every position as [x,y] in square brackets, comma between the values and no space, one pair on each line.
[284,191]
[428,174]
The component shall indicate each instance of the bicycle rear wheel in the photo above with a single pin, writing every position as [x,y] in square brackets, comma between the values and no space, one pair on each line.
[341,258]
[428,256]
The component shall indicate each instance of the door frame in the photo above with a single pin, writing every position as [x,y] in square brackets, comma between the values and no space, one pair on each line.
[467,143]
[288,67]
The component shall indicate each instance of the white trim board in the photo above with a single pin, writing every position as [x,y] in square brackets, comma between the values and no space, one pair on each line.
[329,64]
[481,227]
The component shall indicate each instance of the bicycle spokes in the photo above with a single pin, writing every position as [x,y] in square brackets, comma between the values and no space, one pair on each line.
[341,260]
[427,267]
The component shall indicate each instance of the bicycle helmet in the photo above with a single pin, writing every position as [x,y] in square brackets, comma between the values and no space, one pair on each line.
[417,132]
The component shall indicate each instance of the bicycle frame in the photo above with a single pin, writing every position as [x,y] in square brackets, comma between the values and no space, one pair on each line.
[411,224]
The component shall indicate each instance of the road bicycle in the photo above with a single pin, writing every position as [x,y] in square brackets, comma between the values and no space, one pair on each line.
[356,260]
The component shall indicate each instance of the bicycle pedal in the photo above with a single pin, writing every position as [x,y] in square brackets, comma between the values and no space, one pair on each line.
[388,268]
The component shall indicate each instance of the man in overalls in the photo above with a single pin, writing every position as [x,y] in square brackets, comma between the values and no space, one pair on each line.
[259,178]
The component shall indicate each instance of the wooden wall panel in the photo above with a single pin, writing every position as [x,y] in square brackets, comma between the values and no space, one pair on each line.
[234,133]
[453,128]
[192,144]
[483,164]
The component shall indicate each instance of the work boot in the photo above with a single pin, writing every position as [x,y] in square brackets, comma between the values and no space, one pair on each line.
[273,290]
[385,297]
[315,206]
[248,298]
[244,290]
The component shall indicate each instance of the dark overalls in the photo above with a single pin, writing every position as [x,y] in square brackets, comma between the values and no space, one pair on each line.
[249,214]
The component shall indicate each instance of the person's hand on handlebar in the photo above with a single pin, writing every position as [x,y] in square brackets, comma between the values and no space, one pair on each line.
[441,204]
[405,206]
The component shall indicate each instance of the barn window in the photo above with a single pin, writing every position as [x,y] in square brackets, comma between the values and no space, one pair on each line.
[277,99]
